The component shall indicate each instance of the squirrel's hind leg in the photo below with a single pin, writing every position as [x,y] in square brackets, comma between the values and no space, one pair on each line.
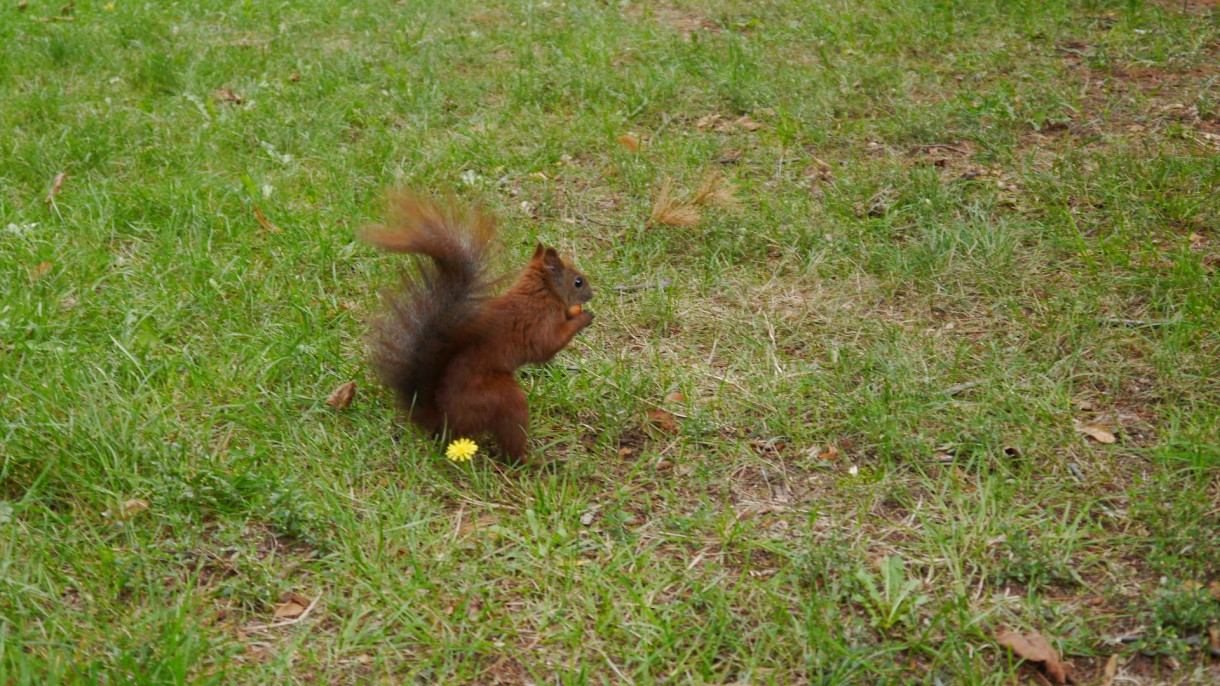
[510,420]
[479,404]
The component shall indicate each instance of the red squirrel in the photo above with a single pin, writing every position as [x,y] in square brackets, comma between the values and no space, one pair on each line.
[446,347]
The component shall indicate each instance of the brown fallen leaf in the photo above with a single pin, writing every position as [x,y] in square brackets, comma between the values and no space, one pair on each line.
[830,453]
[137,505]
[56,186]
[1096,433]
[747,123]
[361,659]
[228,95]
[624,453]
[473,524]
[707,121]
[663,420]
[669,211]
[1034,647]
[1110,671]
[630,142]
[291,606]
[342,396]
[130,509]
[743,122]
[675,397]
[40,271]
[729,157]
[262,220]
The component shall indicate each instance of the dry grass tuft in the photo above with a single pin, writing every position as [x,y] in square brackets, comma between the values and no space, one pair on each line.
[669,211]
[716,190]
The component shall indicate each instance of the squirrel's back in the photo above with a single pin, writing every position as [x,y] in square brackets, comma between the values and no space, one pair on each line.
[436,312]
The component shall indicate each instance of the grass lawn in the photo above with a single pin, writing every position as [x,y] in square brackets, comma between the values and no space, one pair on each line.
[951,367]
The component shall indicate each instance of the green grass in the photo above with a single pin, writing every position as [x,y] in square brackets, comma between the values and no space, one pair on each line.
[942,316]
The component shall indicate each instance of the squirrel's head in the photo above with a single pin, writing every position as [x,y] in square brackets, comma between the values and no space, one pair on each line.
[571,286]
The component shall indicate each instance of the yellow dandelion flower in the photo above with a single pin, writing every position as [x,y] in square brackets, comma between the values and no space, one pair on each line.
[461,450]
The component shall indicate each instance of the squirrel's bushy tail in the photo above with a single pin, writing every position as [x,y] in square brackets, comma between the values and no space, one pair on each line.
[440,300]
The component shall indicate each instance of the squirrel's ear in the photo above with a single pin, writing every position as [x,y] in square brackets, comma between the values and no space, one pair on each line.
[551,259]
[538,252]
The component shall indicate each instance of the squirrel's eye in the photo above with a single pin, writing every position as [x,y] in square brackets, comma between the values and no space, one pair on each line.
[579,282]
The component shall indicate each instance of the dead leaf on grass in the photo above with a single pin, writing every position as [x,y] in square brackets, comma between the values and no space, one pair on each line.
[663,420]
[717,123]
[476,523]
[342,396]
[669,211]
[40,271]
[262,221]
[1035,648]
[135,506]
[830,453]
[56,186]
[745,122]
[130,509]
[675,397]
[1096,433]
[729,157]
[1110,671]
[630,142]
[361,659]
[291,606]
[228,95]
